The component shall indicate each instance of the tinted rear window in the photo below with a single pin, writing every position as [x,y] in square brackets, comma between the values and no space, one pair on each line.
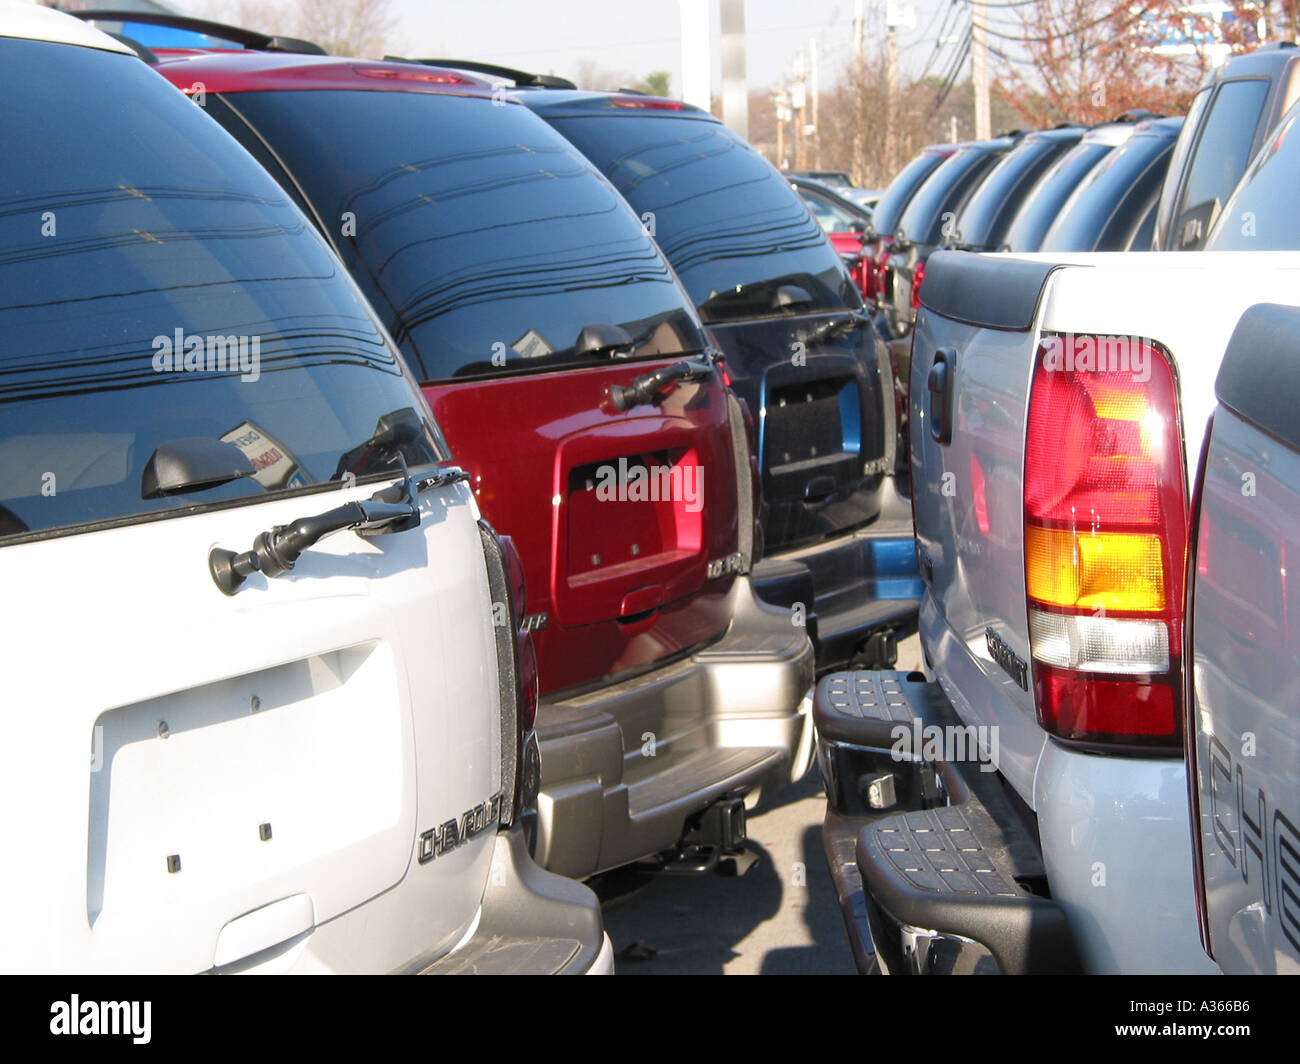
[945,191]
[1221,156]
[1264,213]
[890,206]
[986,217]
[485,240]
[1038,214]
[733,228]
[155,285]
[1110,205]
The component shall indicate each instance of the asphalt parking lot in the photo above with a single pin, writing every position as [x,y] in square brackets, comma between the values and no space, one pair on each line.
[779,918]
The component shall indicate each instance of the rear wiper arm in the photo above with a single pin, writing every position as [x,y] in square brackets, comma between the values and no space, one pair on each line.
[645,389]
[392,509]
[839,326]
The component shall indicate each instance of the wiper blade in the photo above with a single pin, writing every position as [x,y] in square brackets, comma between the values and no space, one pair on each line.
[395,508]
[645,389]
[838,326]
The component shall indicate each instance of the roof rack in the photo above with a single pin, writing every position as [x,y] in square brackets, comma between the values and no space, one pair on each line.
[249,39]
[521,78]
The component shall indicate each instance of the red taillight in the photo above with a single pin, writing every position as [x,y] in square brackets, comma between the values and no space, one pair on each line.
[917,278]
[882,268]
[1105,541]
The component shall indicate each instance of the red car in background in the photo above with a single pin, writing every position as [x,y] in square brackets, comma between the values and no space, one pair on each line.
[574,382]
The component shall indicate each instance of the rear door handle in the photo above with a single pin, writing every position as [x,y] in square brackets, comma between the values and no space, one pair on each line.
[941,385]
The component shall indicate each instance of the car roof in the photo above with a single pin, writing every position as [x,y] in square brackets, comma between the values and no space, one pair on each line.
[35,23]
[1268,61]
[228,71]
[574,102]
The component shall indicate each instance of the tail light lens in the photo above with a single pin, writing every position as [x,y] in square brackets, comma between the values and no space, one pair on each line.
[1105,542]
[917,278]
[881,269]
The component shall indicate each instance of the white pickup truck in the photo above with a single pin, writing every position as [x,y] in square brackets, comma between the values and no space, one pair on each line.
[1023,805]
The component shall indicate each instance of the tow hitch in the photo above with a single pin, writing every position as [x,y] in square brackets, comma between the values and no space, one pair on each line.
[713,840]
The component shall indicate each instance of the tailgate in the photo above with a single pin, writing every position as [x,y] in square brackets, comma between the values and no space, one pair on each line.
[617,515]
[822,422]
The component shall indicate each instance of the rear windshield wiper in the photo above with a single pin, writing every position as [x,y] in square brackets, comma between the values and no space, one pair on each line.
[395,508]
[645,389]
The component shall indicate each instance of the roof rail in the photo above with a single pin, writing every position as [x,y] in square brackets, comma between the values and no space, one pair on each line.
[249,39]
[521,78]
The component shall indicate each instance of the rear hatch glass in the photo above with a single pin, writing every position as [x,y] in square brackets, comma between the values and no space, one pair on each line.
[987,216]
[527,245]
[733,228]
[1111,204]
[165,288]
[1051,193]
[900,191]
[945,190]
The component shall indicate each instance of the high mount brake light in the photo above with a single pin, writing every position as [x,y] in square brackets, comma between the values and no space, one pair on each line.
[436,77]
[1105,542]
[648,103]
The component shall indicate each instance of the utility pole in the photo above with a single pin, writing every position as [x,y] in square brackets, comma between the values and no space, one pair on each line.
[735,87]
[891,90]
[798,103]
[814,127]
[781,101]
[859,164]
[979,60]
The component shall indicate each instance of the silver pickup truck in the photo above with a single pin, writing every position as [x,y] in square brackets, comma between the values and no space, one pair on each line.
[1021,806]
[1243,732]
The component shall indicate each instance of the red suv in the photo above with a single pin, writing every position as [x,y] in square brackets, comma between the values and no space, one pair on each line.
[574,381]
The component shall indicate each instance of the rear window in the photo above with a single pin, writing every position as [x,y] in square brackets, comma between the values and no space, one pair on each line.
[945,191]
[985,219]
[156,285]
[484,239]
[1037,215]
[890,206]
[1221,156]
[1108,209]
[731,225]
[1264,213]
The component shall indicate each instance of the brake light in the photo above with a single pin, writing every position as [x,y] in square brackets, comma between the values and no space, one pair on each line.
[882,268]
[434,77]
[917,278]
[645,103]
[1105,541]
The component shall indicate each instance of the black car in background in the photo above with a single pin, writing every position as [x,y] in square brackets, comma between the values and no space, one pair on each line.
[984,222]
[1114,207]
[1228,122]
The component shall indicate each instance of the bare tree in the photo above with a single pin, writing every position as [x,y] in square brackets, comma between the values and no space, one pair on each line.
[361,28]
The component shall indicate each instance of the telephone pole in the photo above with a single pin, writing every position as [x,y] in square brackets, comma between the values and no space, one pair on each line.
[814,126]
[979,59]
